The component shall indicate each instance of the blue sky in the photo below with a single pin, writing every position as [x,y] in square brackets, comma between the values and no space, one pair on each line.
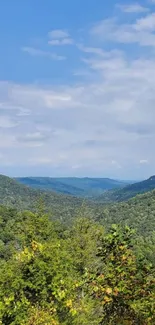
[77,88]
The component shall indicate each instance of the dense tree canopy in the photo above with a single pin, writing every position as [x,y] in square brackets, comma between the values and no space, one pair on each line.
[77,275]
[65,261]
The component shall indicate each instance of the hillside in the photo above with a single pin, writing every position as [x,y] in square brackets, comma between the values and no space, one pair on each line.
[95,273]
[79,275]
[138,213]
[82,187]
[50,184]
[23,197]
[128,191]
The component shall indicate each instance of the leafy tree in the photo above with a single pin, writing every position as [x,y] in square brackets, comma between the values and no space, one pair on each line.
[123,287]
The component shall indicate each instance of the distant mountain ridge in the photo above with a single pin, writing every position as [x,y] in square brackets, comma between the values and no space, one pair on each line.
[128,191]
[82,187]
[17,195]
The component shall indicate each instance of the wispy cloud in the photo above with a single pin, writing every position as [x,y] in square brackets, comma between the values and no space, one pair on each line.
[102,125]
[40,161]
[91,50]
[7,122]
[37,52]
[57,42]
[58,33]
[59,37]
[143,161]
[146,24]
[140,31]
[133,8]
[95,124]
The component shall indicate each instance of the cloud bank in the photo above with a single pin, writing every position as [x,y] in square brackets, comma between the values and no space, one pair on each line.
[98,123]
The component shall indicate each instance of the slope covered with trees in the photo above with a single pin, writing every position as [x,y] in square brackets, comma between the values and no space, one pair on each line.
[81,264]
[129,191]
[23,197]
[82,187]
[138,213]
[78,276]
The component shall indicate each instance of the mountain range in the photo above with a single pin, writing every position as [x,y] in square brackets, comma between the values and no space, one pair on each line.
[14,194]
[82,187]
[133,205]
[24,193]
[127,192]
[101,190]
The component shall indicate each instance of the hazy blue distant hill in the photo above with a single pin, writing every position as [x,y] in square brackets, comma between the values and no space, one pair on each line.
[82,187]
[50,184]
[14,194]
[128,191]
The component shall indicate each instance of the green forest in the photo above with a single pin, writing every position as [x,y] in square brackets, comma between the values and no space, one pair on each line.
[73,262]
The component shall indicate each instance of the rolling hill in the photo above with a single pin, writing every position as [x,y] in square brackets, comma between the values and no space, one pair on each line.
[82,187]
[13,194]
[128,191]
[137,213]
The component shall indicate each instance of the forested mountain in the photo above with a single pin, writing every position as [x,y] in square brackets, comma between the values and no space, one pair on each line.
[128,191]
[79,275]
[138,213]
[83,264]
[23,197]
[82,187]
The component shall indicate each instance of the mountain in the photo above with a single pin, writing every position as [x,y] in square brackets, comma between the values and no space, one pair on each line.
[82,187]
[138,213]
[45,266]
[50,184]
[22,197]
[128,191]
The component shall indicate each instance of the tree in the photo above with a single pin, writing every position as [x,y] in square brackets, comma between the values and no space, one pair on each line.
[123,287]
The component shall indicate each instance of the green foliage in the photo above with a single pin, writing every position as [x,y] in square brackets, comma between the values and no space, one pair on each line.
[138,213]
[13,194]
[78,265]
[128,192]
[124,288]
[80,275]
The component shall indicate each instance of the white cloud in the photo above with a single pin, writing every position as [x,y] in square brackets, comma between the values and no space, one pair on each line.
[7,141]
[87,124]
[58,33]
[6,122]
[92,50]
[57,42]
[139,32]
[143,161]
[101,126]
[133,8]
[116,164]
[37,52]
[40,161]
[146,24]
[35,136]
[59,37]
[76,166]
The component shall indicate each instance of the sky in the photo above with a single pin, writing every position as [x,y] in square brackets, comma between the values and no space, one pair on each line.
[77,88]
